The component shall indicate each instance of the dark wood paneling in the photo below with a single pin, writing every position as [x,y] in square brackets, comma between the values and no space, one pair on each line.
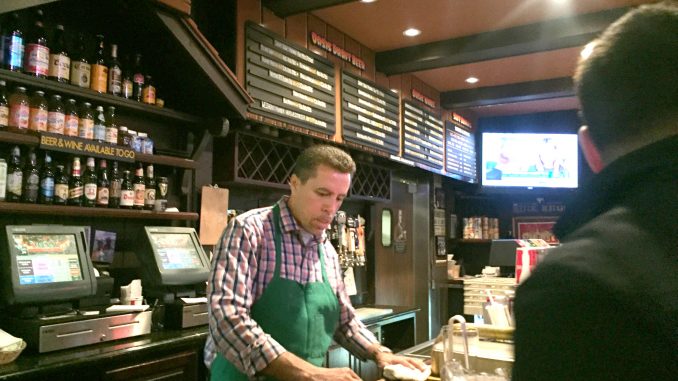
[245,10]
[272,22]
[368,56]
[382,80]
[336,37]
[296,29]
[317,25]
[352,46]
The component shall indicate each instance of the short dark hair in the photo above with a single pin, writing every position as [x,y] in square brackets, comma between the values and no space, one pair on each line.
[312,157]
[628,86]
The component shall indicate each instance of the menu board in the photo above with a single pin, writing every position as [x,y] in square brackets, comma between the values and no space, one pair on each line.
[422,137]
[288,83]
[460,152]
[369,115]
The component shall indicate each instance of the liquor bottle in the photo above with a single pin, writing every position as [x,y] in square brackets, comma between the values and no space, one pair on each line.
[60,186]
[99,129]
[36,57]
[90,183]
[149,196]
[56,117]
[103,193]
[4,106]
[13,54]
[75,185]
[31,185]
[59,60]
[126,191]
[80,67]
[37,120]
[139,186]
[114,73]
[127,84]
[111,126]
[47,181]
[148,91]
[71,119]
[137,78]
[15,176]
[115,187]
[99,77]
[86,122]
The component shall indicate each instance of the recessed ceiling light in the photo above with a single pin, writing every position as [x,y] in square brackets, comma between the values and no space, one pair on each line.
[367,1]
[411,32]
[471,80]
[588,49]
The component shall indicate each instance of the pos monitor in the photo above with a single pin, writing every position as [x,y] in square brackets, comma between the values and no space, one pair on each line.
[45,264]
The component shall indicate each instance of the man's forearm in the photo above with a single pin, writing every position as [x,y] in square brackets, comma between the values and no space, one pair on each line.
[289,367]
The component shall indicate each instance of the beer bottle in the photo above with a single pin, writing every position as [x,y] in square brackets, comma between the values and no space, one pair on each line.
[47,181]
[148,91]
[103,192]
[60,186]
[111,126]
[137,78]
[86,122]
[115,187]
[3,179]
[56,118]
[99,125]
[59,61]
[71,119]
[126,191]
[80,67]
[139,186]
[39,112]
[75,186]
[90,183]
[127,84]
[15,176]
[149,196]
[4,106]
[31,179]
[99,77]
[37,53]
[19,110]
[13,53]
[114,73]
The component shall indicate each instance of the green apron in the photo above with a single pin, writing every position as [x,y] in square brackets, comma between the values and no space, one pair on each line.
[302,318]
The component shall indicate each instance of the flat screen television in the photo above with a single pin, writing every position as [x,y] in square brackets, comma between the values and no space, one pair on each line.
[529,160]
[45,264]
[173,256]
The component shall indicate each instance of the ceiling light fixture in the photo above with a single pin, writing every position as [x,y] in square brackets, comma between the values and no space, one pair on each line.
[411,32]
[588,49]
[471,80]
[367,1]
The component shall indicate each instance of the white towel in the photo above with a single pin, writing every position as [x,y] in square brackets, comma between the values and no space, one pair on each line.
[403,373]
[7,340]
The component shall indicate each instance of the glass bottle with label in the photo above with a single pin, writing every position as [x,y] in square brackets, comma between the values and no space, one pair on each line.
[115,187]
[90,184]
[100,125]
[99,77]
[148,91]
[126,191]
[80,67]
[123,136]
[131,134]
[162,186]
[13,54]
[114,73]
[103,192]
[127,85]
[139,186]
[60,186]
[3,179]
[31,185]
[137,78]
[149,197]
[75,186]
[39,112]
[47,179]
[86,122]
[4,106]
[15,176]
[19,110]
[111,126]
[71,120]
[56,117]
[59,60]
[37,52]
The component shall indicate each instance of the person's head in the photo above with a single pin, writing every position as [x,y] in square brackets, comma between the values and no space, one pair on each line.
[318,185]
[628,86]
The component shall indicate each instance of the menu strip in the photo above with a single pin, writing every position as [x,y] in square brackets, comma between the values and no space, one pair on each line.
[422,138]
[460,152]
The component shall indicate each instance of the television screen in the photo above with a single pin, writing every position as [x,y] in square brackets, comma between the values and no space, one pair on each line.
[530,160]
[47,258]
[176,251]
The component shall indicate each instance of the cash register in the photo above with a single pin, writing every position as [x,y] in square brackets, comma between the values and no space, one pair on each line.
[46,271]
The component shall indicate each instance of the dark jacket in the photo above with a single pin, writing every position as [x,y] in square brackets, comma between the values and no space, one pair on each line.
[604,305]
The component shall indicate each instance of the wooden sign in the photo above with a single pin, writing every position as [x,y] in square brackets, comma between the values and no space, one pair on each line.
[85,147]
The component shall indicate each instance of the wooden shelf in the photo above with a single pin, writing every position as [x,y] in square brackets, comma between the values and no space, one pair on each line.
[17,138]
[468,240]
[79,211]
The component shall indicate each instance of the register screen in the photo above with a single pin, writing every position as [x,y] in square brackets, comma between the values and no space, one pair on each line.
[47,258]
[176,251]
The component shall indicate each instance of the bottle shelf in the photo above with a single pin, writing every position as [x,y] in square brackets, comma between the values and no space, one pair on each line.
[80,211]
[474,240]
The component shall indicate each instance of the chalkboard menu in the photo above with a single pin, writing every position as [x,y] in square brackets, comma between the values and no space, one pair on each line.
[460,152]
[370,115]
[422,137]
[288,83]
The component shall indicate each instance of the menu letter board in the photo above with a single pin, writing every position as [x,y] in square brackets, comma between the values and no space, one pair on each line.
[369,115]
[288,83]
[422,137]
[460,152]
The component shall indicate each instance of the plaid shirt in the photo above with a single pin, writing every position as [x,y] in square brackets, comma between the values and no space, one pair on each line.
[242,267]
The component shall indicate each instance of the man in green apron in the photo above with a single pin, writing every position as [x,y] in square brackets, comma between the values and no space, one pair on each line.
[276,295]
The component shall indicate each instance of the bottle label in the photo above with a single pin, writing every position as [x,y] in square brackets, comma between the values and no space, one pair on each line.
[127,89]
[148,95]
[32,186]
[59,66]
[38,119]
[14,181]
[116,190]
[56,122]
[139,193]
[4,116]
[115,80]
[149,197]
[75,192]
[3,179]
[61,192]
[139,79]
[15,52]
[112,135]
[99,132]
[127,197]
[37,59]
[71,125]
[19,115]
[47,187]
[80,73]
[102,196]
[86,128]
[91,191]
[99,78]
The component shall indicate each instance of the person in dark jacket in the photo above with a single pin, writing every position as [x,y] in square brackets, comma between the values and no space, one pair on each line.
[604,304]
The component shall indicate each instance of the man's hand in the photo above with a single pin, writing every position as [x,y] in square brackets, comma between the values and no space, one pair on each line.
[386,358]
[288,367]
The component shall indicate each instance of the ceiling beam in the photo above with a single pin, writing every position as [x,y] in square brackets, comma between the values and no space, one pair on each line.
[284,8]
[518,92]
[549,35]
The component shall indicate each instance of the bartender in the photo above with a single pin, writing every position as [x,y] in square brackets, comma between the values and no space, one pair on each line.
[276,293]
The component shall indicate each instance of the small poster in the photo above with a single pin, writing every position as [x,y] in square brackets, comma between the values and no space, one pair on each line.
[400,239]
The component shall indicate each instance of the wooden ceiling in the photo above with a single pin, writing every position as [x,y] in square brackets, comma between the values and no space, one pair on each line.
[522,51]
